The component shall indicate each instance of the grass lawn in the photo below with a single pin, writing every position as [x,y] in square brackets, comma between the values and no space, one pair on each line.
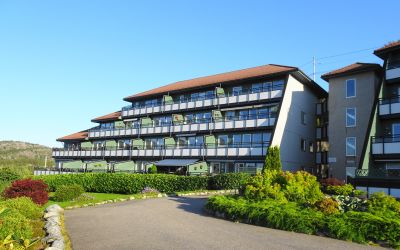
[98,197]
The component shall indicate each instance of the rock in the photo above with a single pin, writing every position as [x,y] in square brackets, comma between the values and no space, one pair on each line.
[54,208]
[159,195]
[53,248]
[54,232]
[55,220]
[51,214]
[59,244]
[131,198]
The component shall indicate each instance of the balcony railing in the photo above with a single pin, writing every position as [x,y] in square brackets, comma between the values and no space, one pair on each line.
[387,145]
[253,94]
[250,121]
[389,106]
[200,150]
[378,173]
[393,70]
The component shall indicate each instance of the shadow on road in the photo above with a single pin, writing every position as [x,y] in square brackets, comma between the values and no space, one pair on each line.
[191,204]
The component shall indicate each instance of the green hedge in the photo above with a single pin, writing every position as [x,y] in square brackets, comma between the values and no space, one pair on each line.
[68,192]
[356,226]
[122,183]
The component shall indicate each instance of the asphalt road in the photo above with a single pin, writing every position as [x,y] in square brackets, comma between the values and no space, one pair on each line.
[178,223]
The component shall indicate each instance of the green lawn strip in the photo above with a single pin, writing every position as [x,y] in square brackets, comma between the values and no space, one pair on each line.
[98,197]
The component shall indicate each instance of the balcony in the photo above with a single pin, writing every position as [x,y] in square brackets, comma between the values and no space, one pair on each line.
[385,147]
[378,173]
[203,150]
[321,157]
[393,70]
[389,106]
[190,104]
[241,122]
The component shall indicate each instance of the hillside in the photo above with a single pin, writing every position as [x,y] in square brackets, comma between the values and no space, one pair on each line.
[16,153]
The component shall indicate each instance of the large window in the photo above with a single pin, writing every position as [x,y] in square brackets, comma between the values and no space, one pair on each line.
[350,117]
[350,146]
[350,88]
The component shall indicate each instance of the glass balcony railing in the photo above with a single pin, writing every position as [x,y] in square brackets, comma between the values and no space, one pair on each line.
[204,124]
[389,106]
[157,106]
[385,145]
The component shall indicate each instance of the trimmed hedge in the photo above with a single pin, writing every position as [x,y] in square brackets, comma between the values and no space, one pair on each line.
[355,226]
[123,183]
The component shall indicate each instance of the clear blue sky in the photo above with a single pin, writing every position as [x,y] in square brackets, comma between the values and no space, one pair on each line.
[63,63]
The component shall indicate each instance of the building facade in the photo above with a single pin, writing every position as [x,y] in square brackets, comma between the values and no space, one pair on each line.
[352,91]
[214,124]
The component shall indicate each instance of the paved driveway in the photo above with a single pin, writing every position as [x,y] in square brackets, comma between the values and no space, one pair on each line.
[178,223]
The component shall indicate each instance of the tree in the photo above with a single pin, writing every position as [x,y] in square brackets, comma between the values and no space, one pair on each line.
[152,169]
[273,159]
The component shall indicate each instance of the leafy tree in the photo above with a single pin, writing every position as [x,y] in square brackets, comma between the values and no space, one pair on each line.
[273,159]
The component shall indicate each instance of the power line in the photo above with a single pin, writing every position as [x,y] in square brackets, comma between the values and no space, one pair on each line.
[346,53]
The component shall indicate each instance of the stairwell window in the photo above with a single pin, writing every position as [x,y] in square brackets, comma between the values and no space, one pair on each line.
[351,117]
[351,146]
[350,88]
[303,145]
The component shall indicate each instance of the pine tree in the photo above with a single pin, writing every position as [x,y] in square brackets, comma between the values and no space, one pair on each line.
[273,159]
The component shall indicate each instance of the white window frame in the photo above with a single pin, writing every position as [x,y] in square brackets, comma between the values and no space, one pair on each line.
[355,88]
[303,145]
[355,118]
[355,146]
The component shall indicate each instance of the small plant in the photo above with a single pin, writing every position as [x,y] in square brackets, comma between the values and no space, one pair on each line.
[328,206]
[332,182]
[35,189]
[273,159]
[14,223]
[348,203]
[152,169]
[84,197]
[68,192]
[149,190]
[340,189]
[25,206]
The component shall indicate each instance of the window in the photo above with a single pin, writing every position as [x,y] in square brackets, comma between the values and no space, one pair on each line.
[236,90]
[303,144]
[350,146]
[222,140]
[246,140]
[350,88]
[350,117]
[303,118]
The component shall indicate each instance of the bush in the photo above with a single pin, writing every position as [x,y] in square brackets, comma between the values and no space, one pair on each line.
[380,203]
[340,190]
[286,216]
[152,169]
[273,159]
[9,174]
[14,223]
[228,181]
[332,182]
[35,189]
[299,187]
[363,227]
[348,203]
[68,192]
[328,206]
[25,206]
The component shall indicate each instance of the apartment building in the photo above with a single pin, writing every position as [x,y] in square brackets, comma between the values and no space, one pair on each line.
[214,124]
[352,91]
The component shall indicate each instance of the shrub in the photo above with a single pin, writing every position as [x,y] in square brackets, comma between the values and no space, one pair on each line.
[340,189]
[35,189]
[68,192]
[15,224]
[332,182]
[286,216]
[363,227]
[149,190]
[152,169]
[302,187]
[264,186]
[25,206]
[123,183]
[380,203]
[273,159]
[9,174]
[84,198]
[328,206]
[348,203]
[228,181]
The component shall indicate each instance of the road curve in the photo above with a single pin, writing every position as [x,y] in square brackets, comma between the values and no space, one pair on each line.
[178,223]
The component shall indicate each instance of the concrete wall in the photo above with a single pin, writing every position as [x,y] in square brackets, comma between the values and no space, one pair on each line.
[289,129]
[366,87]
